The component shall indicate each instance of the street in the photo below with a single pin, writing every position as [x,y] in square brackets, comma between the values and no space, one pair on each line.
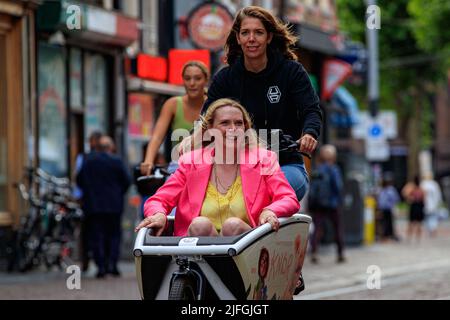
[101,101]
[409,271]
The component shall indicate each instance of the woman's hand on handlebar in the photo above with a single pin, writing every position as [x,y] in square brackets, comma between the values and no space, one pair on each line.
[268,216]
[307,143]
[157,222]
[146,168]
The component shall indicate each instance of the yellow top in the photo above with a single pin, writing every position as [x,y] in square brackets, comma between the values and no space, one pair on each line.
[219,207]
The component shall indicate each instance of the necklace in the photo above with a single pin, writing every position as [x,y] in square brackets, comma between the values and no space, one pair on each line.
[219,183]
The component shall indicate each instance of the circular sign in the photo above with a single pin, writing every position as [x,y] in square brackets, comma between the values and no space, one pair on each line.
[209,25]
[375,130]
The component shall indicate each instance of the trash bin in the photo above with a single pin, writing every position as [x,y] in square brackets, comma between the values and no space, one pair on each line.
[352,216]
[353,213]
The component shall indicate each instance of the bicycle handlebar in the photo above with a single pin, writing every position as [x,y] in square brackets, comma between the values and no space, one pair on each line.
[163,174]
[294,147]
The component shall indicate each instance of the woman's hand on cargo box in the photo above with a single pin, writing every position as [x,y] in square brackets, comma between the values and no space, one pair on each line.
[268,216]
[156,221]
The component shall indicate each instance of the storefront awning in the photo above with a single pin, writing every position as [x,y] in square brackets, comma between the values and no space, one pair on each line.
[345,111]
[141,85]
[315,39]
[80,20]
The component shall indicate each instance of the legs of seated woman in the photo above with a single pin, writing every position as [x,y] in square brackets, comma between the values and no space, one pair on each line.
[202,226]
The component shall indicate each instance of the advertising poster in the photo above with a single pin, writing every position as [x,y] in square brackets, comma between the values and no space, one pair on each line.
[271,266]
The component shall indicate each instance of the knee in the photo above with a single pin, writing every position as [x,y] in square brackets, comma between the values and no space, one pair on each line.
[200,226]
[299,183]
[234,226]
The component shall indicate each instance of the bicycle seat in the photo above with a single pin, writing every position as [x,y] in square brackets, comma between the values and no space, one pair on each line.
[148,185]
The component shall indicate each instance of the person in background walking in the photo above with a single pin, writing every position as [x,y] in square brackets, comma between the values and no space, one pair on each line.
[387,199]
[415,196]
[433,199]
[104,180]
[330,210]
[85,250]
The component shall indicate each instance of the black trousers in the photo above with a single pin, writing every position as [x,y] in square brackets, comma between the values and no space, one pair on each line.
[319,218]
[388,225]
[105,237]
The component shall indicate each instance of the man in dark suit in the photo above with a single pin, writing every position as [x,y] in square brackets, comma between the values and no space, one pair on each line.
[104,180]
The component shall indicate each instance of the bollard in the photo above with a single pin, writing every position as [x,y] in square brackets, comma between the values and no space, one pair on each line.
[369,220]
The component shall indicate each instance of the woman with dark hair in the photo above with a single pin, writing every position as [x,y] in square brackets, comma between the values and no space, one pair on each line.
[264,76]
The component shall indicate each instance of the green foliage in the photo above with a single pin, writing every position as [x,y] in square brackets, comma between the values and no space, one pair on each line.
[405,63]
[414,54]
[426,130]
[351,18]
[431,28]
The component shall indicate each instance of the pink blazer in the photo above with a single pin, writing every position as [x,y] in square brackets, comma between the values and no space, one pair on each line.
[263,184]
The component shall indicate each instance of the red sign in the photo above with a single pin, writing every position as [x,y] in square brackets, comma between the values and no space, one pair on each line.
[334,73]
[209,25]
[140,115]
[151,67]
[177,59]
[127,28]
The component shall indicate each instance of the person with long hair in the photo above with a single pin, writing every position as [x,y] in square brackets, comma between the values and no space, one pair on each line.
[415,196]
[214,185]
[179,112]
[263,74]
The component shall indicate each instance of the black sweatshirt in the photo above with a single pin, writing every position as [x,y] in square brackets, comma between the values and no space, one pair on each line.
[279,97]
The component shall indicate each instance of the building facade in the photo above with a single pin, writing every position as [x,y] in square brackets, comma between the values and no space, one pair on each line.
[17,85]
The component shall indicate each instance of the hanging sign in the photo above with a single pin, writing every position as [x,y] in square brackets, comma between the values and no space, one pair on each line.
[209,25]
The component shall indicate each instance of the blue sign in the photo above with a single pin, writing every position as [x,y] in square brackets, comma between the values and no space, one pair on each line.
[375,131]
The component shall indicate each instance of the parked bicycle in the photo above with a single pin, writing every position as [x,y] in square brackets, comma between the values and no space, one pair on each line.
[48,233]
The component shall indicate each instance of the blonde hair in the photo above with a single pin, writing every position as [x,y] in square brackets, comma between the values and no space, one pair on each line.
[283,40]
[196,63]
[196,140]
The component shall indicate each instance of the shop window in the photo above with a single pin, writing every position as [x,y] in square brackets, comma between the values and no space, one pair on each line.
[96,95]
[52,110]
[76,102]
[140,124]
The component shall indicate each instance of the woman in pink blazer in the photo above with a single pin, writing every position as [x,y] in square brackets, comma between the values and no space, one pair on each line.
[232,177]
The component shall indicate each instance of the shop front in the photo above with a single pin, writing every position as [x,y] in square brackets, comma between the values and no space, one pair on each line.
[80,80]
[16,85]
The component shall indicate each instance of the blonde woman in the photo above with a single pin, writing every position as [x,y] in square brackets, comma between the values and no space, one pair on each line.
[227,185]
[179,112]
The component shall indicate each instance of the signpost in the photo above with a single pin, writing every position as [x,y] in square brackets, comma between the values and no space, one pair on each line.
[376,131]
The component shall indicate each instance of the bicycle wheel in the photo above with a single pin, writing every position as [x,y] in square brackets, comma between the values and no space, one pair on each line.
[29,249]
[182,289]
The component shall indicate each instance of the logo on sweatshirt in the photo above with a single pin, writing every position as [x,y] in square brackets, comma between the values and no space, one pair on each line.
[274,94]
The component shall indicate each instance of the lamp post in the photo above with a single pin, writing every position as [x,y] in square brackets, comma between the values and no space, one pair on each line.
[372,26]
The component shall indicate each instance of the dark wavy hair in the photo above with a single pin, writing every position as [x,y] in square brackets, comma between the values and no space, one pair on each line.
[283,39]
